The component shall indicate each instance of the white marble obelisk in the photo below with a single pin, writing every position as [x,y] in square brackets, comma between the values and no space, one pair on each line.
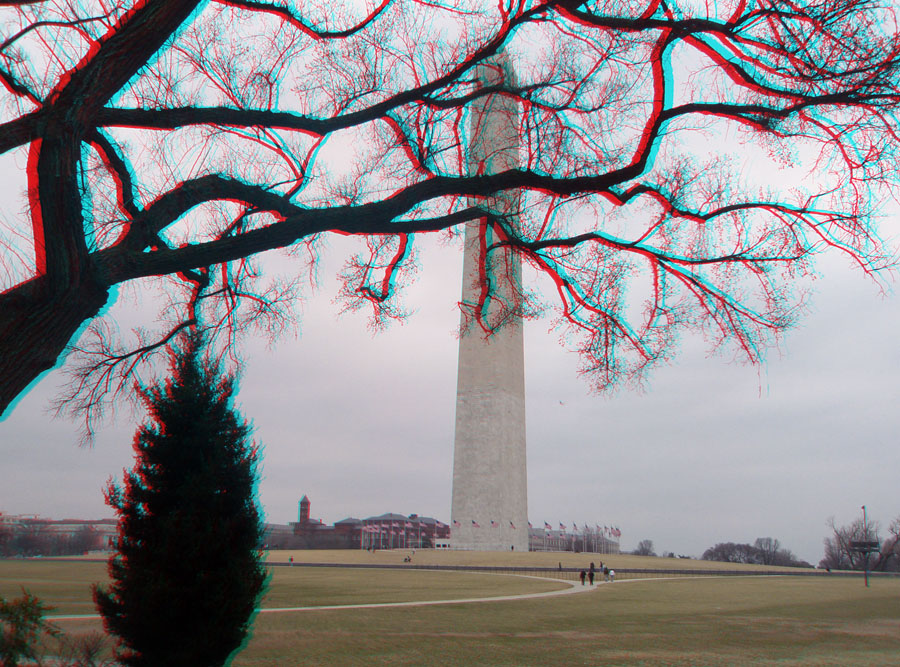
[489,510]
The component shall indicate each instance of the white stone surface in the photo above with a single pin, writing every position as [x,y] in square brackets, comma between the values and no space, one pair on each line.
[489,459]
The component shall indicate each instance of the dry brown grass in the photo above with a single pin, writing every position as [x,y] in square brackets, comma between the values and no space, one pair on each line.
[501,559]
[698,621]
[708,621]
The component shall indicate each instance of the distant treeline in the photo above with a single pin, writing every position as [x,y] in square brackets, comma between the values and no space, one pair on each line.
[764,551]
[25,540]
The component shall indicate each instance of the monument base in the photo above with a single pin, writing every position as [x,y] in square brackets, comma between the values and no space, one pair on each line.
[500,543]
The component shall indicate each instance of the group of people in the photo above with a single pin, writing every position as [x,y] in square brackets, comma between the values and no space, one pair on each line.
[591,572]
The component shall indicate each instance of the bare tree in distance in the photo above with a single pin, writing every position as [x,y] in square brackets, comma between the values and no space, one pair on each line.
[644,548]
[840,554]
[890,548]
[768,548]
[683,164]
[730,552]
[764,551]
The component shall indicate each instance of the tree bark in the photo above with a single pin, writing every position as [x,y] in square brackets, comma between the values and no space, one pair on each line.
[36,325]
[40,317]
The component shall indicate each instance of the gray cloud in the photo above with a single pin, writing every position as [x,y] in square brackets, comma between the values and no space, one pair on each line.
[712,451]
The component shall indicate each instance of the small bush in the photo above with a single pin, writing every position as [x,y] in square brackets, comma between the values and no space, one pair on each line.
[21,626]
[83,651]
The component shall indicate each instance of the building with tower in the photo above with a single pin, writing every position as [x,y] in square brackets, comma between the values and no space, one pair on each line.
[303,510]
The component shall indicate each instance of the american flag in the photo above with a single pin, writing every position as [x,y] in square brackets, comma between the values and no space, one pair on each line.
[475,524]
[456,523]
[494,524]
[547,526]
[562,526]
[512,525]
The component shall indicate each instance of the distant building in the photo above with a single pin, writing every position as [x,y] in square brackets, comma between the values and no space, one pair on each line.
[310,533]
[395,531]
[398,531]
[386,531]
[303,510]
[31,535]
[304,526]
[589,540]
[348,526]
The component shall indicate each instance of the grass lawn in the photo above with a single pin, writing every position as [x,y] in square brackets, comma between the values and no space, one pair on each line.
[504,559]
[703,621]
[777,620]
[66,585]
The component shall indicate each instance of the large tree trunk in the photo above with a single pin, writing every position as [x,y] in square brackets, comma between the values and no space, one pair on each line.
[39,318]
[35,327]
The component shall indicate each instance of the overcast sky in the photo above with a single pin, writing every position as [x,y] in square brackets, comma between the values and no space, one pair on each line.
[711,452]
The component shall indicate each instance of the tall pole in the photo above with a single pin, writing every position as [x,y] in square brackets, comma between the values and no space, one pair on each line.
[489,467]
[866,538]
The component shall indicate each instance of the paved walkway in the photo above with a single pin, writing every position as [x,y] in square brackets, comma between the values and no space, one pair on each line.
[573,587]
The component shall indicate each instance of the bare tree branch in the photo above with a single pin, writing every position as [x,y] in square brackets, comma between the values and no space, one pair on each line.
[183,144]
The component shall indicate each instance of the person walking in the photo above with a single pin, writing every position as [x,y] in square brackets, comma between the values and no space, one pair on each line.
[591,577]
[582,575]
[612,575]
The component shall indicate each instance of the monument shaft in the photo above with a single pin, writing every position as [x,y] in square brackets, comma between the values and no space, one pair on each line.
[489,508]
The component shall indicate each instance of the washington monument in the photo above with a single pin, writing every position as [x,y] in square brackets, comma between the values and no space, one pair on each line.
[489,510]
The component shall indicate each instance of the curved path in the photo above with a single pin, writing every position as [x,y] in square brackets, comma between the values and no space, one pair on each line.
[573,587]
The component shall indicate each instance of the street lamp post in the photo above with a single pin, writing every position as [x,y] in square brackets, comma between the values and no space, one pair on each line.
[865,546]
[866,537]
